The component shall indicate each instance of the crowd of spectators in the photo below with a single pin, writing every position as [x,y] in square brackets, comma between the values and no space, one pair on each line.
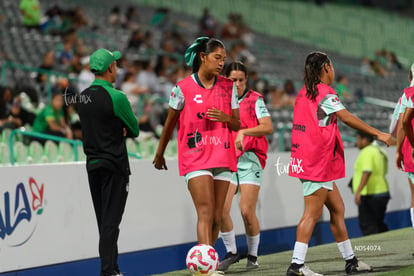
[49,104]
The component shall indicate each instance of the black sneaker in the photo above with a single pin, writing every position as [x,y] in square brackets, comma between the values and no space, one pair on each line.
[300,270]
[354,266]
[228,260]
[252,262]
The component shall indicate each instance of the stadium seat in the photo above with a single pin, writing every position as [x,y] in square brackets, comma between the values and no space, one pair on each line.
[66,152]
[52,152]
[20,153]
[4,154]
[36,153]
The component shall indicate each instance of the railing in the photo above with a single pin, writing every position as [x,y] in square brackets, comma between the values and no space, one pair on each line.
[75,143]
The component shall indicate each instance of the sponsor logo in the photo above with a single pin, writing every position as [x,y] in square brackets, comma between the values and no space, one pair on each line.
[20,210]
[75,98]
[299,127]
[198,98]
[294,164]
[193,139]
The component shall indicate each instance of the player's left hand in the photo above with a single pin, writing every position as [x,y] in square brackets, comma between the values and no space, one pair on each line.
[217,115]
[239,141]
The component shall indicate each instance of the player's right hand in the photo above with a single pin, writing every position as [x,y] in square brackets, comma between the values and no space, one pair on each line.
[398,160]
[385,137]
[159,162]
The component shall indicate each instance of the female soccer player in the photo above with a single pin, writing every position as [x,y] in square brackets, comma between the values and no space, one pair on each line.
[403,114]
[205,107]
[318,160]
[251,144]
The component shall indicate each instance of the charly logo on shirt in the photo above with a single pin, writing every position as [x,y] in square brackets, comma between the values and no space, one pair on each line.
[198,99]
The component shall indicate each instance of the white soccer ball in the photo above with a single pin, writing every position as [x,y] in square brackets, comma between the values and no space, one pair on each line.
[202,259]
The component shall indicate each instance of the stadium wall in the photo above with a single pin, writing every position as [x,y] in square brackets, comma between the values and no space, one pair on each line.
[47,223]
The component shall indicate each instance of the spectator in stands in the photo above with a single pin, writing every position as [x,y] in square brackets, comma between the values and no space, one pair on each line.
[79,19]
[342,88]
[370,185]
[132,20]
[133,91]
[208,24]
[65,55]
[19,114]
[279,98]
[86,77]
[395,63]
[32,14]
[116,18]
[7,104]
[136,40]
[42,78]
[147,77]
[232,28]
[366,68]
[290,88]
[51,119]
[75,66]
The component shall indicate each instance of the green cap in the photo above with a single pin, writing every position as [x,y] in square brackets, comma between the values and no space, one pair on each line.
[101,59]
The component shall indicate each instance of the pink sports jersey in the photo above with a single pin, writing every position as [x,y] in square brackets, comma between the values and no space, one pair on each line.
[317,151]
[406,147]
[202,143]
[248,119]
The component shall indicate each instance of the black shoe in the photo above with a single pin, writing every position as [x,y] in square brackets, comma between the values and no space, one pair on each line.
[228,260]
[354,266]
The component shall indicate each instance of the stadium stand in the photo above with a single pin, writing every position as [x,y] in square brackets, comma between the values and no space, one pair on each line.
[283,32]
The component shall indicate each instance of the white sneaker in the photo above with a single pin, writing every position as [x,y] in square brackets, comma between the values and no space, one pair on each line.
[301,271]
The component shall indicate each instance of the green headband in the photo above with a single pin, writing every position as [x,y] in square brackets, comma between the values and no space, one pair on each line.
[191,52]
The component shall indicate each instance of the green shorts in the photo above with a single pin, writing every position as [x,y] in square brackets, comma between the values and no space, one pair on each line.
[411,176]
[217,174]
[309,187]
[249,170]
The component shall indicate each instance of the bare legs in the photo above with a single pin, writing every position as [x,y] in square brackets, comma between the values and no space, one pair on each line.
[208,197]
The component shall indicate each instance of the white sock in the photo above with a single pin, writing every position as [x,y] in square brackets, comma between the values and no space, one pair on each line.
[299,252]
[412,217]
[229,240]
[253,244]
[345,248]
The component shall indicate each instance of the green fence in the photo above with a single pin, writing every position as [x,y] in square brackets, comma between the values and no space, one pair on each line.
[74,143]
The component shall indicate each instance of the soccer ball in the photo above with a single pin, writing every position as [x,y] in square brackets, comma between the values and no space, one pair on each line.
[202,259]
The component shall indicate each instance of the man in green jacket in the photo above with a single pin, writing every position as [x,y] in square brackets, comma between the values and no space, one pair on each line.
[107,119]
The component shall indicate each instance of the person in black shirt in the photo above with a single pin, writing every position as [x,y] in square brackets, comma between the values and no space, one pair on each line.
[106,119]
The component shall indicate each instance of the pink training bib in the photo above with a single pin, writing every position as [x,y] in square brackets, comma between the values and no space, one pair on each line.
[202,143]
[248,118]
[317,152]
[406,147]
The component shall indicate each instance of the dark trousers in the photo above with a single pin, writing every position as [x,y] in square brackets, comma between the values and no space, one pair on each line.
[109,193]
[372,213]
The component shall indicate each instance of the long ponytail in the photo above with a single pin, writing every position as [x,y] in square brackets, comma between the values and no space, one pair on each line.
[312,72]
